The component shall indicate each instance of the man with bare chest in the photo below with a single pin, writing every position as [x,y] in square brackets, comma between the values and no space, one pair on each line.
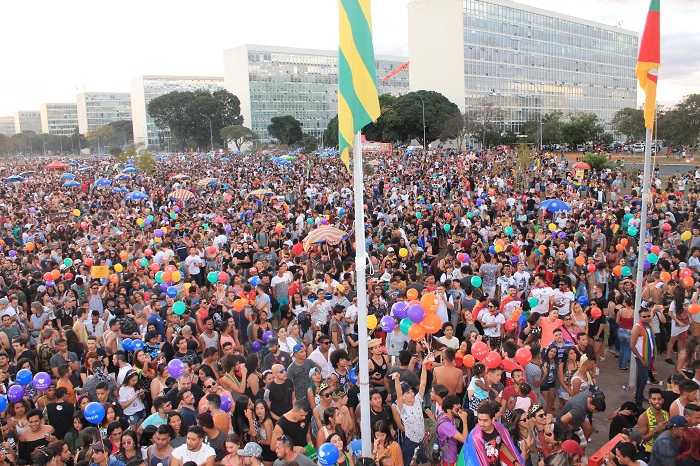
[448,374]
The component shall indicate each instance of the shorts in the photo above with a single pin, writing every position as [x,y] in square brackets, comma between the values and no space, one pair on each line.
[136,417]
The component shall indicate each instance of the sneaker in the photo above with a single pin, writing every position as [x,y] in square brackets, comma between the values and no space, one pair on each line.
[602,358]
[670,361]
[625,387]
[654,372]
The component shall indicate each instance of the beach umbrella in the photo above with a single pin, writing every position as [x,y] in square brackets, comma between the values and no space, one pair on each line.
[555,205]
[14,178]
[324,234]
[129,170]
[285,163]
[71,184]
[208,182]
[67,176]
[103,182]
[56,165]
[136,196]
[123,177]
[581,166]
[181,177]
[225,159]
[26,174]
[374,162]
[181,195]
[84,167]
[261,193]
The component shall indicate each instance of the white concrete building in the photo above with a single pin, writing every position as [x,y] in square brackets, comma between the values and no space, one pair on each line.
[146,88]
[60,119]
[101,108]
[7,125]
[28,120]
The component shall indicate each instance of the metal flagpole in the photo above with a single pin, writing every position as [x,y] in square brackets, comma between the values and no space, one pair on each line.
[642,241]
[360,264]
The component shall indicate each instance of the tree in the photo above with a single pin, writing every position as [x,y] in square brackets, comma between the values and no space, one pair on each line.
[680,126]
[375,131]
[330,135]
[409,109]
[597,162]
[238,134]
[582,127]
[286,129]
[531,129]
[630,122]
[310,143]
[487,118]
[115,151]
[145,162]
[456,125]
[552,128]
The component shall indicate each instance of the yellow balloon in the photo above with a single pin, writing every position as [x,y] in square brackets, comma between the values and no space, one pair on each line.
[176,276]
[118,268]
[187,285]
[157,239]
[552,227]
[76,212]
[403,252]
[372,321]
[686,235]
[139,221]
[165,230]
[498,248]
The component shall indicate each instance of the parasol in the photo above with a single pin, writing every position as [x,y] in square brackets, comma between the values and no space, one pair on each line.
[67,176]
[555,205]
[261,193]
[102,182]
[324,234]
[136,196]
[71,184]
[56,165]
[208,182]
[14,178]
[181,195]
[581,166]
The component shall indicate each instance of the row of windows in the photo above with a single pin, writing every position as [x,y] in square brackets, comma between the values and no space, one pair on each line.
[555,77]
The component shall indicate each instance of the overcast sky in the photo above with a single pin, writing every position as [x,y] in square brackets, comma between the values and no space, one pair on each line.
[52,50]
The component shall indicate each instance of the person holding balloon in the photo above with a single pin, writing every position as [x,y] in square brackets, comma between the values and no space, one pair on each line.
[37,436]
[408,413]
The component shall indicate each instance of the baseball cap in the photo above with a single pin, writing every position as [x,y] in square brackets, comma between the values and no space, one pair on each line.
[677,421]
[4,301]
[677,378]
[298,347]
[251,449]
[571,447]
[313,370]
[99,446]
[634,435]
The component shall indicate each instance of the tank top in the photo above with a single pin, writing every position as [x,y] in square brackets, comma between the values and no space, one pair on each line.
[653,424]
[343,380]
[210,342]
[380,369]
[156,461]
[645,344]
[627,323]
[294,430]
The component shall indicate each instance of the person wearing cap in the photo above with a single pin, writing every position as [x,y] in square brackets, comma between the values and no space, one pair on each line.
[194,450]
[101,456]
[299,371]
[667,445]
[251,454]
[284,448]
[275,355]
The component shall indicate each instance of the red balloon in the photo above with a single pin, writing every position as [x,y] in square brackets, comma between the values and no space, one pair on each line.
[155,267]
[480,350]
[591,268]
[596,313]
[89,261]
[686,272]
[48,277]
[212,250]
[148,252]
[171,269]
[523,356]
[222,277]
[83,225]
[298,249]
[655,250]
[492,360]
[68,276]
[667,227]
[510,326]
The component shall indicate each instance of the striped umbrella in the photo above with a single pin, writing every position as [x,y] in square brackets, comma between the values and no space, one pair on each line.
[182,195]
[324,234]
[261,193]
[207,181]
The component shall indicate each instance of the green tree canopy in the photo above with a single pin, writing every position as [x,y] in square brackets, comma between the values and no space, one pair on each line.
[330,134]
[238,134]
[582,127]
[286,129]
[375,131]
[630,122]
[408,123]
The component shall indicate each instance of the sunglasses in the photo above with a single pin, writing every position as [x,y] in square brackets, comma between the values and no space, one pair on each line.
[213,384]
[282,371]
[325,343]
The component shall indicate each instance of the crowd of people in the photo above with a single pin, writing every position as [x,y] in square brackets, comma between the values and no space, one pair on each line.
[201,306]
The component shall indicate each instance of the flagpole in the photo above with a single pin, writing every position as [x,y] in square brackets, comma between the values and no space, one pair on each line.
[360,264]
[642,242]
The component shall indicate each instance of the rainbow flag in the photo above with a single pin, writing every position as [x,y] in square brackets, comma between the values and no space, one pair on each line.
[358,101]
[649,60]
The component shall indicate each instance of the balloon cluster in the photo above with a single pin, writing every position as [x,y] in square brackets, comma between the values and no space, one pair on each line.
[416,318]
[132,345]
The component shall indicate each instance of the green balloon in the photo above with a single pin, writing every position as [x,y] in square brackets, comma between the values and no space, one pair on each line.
[537,228]
[419,214]
[476,281]
[205,226]
[626,271]
[470,215]
[532,301]
[213,277]
[150,218]
[309,221]
[159,277]
[173,215]
[447,227]
[179,308]
[632,231]
[405,324]
[143,262]
[652,258]
[509,230]
[68,262]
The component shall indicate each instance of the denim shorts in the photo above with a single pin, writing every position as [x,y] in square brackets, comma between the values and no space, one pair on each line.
[136,417]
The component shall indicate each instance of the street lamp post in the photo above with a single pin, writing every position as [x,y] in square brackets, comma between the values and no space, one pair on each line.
[211,134]
[423,105]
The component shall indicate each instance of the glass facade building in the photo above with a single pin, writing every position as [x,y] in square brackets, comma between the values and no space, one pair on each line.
[28,120]
[146,88]
[524,60]
[7,125]
[276,81]
[59,119]
[101,108]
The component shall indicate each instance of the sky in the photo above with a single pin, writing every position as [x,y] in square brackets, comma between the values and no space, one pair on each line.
[53,50]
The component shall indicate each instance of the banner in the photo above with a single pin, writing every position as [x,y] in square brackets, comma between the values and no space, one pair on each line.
[99,271]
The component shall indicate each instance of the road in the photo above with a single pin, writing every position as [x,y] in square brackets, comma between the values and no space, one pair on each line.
[664,169]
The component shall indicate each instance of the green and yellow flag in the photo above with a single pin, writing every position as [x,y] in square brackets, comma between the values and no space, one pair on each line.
[649,61]
[358,101]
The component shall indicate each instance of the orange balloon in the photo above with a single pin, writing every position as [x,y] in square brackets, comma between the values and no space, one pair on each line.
[416,332]
[430,303]
[580,261]
[624,242]
[469,360]
[617,271]
[688,281]
[29,246]
[542,248]
[694,308]
[124,255]
[239,304]
[412,302]
[432,323]
[515,315]
[166,277]
[619,248]
[412,294]
[665,277]
[114,278]
[55,274]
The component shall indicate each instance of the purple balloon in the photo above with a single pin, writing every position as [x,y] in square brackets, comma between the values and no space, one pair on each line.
[647,264]
[164,287]
[249,212]
[416,313]
[266,336]
[41,381]
[176,368]
[479,202]
[12,253]
[32,210]
[648,246]
[256,346]
[225,402]
[562,235]
[466,258]
[514,259]
[15,393]
[228,229]
[399,309]
[348,203]
[158,233]
[176,209]
[554,234]
[387,323]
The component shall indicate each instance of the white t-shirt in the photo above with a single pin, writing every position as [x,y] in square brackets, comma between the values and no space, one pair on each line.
[562,301]
[495,331]
[452,343]
[412,417]
[542,295]
[122,373]
[183,454]
[127,393]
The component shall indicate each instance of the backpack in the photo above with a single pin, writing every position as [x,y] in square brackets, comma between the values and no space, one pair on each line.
[431,445]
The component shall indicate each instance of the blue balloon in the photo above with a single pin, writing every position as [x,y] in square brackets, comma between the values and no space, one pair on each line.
[94,412]
[126,344]
[341,211]
[356,446]
[583,301]
[255,281]
[3,403]
[24,377]
[492,249]
[328,454]
[136,345]
[352,376]
[171,292]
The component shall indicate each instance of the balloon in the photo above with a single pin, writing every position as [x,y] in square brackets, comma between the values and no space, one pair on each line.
[480,350]
[399,309]
[387,324]
[667,226]
[403,252]
[652,258]
[29,246]
[591,268]
[626,271]
[686,235]
[176,368]
[137,345]
[415,313]
[405,324]
[226,402]
[267,335]
[552,227]
[148,252]
[419,214]
[76,212]
[24,377]
[89,262]
[159,277]
[372,322]
[430,303]
[94,412]
[48,276]
[212,277]
[693,309]
[665,277]
[15,393]
[412,293]
[176,276]
[632,231]
[12,253]
[508,230]
[222,277]
[468,360]
[580,261]
[328,454]
[647,265]
[532,301]
[298,249]
[126,344]
[352,376]
[279,229]
[492,360]
[447,227]
[498,248]
[655,250]
[171,292]
[41,381]
[170,269]
[476,281]
[118,268]
[461,256]
[416,332]
[212,250]
[624,242]
[617,271]
[55,274]
[523,356]
[143,262]
[583,301]
[255,281]
[686,272]
[239,305]
[688,281]
[432,323]
[510,326]
[179,308]
[596,313]
[514,260]
[3,403]
[256,346]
